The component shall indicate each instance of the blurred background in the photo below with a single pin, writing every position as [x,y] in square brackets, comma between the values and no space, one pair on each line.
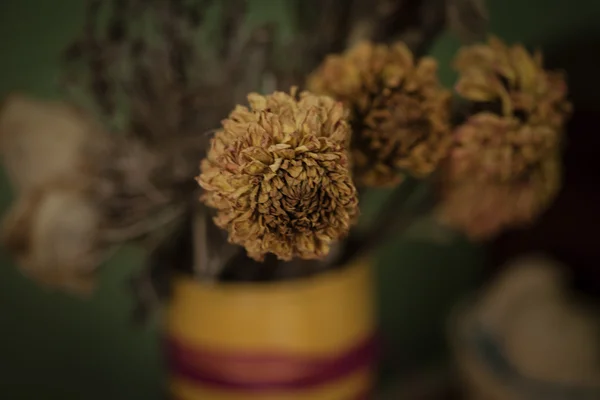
[53,346]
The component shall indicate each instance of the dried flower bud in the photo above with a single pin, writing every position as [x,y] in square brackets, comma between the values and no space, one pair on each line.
[494,72]
[400,113]
[278,175]
[501,173]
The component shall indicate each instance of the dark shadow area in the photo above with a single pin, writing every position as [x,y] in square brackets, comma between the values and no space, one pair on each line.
[569,230]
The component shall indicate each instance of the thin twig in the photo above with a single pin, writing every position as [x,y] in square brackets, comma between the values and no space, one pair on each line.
[143,227]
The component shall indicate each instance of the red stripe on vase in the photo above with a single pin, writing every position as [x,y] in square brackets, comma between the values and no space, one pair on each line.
[366,395]
[227,370]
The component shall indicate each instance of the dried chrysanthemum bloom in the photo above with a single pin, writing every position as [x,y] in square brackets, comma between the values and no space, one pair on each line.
[495,72]
[489,147]
[504,170]
[399,111]
[279,176]
[501,173]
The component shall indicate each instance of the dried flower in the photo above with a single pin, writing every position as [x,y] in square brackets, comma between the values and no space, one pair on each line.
[279,176]
[53,227]
[400,113]
[494,72]
[493,148]
[504,170]
[501,173]
[53,233]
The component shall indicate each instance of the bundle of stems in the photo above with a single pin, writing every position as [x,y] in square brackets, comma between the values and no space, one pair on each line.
[166,72]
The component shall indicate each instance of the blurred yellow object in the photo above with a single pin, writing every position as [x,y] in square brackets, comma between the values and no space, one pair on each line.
[307,339]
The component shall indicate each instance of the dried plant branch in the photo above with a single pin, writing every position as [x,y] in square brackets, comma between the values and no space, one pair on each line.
[468,19]
[212,251]
[160,70]
[422,21]
[144,226]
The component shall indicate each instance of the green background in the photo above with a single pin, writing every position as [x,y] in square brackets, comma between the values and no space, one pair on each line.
[53,346]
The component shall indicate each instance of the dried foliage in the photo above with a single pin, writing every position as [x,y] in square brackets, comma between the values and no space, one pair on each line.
[161,73]
[136,71]
[504,170]
[136,67]
[400,113]
[278,174]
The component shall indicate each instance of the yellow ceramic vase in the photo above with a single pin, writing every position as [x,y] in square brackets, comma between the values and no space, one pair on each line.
[308,339]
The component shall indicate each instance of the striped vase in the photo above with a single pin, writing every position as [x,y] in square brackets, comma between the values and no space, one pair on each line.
[307,339]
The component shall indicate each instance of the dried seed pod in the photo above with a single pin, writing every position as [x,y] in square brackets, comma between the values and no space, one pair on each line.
[52,228]
[399,111]
[279,176]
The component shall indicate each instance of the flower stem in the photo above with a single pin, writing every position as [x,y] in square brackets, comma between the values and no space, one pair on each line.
[395,216]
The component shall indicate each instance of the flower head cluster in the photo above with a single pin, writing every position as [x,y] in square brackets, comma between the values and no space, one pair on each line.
[278,173]
[504,169]
[399,111]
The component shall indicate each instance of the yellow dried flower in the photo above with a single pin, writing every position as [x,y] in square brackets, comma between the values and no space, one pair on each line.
[495,72]
[501,173]
[399,111]
[278,174]
[504,170]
